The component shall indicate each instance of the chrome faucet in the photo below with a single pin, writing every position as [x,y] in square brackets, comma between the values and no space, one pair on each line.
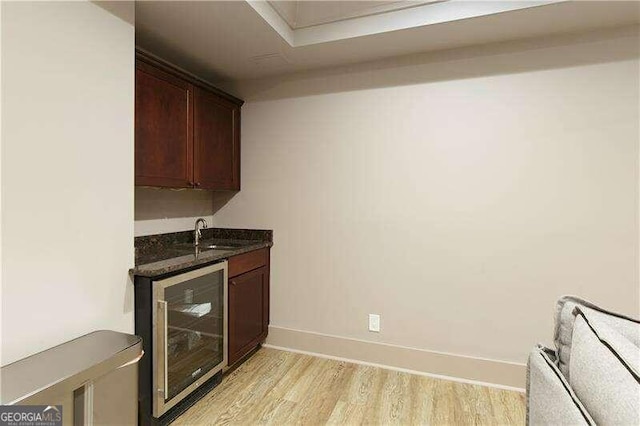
[197,233]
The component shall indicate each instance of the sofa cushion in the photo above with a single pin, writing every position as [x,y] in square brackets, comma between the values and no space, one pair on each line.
[564,327]
[605,369]
[550,399]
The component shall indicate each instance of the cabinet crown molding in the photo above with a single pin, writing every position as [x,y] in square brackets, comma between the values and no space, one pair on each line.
[168,67]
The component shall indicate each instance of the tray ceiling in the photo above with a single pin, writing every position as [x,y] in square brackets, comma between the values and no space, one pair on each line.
[303,23]
[302,14]
[235,40]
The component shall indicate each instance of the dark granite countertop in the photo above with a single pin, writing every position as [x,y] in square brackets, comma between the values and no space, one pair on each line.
[165,253]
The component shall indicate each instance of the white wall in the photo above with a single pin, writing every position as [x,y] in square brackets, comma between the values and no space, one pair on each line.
[457,195]
[67,174]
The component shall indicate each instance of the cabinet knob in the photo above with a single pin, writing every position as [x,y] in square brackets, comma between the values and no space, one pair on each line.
[197,183]
[190,183]
[232,283]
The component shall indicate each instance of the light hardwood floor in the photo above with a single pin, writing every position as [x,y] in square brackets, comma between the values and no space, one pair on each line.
[285,388]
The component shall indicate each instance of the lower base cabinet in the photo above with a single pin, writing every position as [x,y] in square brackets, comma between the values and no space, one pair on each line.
[248,303]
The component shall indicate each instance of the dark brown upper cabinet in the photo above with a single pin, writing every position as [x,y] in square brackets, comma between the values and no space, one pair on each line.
[187,132]
[164,144]
[216,141]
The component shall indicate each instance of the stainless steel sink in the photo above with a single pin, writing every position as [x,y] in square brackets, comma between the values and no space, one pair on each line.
[220,247]
[204,246]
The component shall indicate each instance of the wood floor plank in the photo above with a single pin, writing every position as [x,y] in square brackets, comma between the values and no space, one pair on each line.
[508,407]
[283,388]
[474,407]
[241,380]
[446,407]
[393,401]
[483,409]
[362,385]
[421,393]
[269,407]
[271,412]
[318,404]
[346,413]
[239,408]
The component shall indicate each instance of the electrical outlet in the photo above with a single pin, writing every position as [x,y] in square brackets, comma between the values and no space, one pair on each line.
[374,322]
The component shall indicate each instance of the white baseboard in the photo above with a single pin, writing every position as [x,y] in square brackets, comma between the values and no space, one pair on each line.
[480,371]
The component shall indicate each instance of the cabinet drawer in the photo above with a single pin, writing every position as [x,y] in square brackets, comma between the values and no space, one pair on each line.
[248,262]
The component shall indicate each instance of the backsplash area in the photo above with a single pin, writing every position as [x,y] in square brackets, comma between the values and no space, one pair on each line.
[158,211]
[162,210]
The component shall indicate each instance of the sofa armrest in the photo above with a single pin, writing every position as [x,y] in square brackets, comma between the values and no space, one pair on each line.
[565,319]
[550,399]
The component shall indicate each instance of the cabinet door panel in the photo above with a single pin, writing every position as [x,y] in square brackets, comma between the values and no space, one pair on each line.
[248,312]
[216,142]
[163,135]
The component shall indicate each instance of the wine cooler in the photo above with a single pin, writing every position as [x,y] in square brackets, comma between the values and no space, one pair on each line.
[189,333]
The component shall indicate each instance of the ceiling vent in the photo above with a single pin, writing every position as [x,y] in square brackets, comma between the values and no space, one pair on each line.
[270,61]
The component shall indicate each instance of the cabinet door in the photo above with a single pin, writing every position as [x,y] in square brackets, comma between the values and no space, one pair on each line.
[163,129]
[248,312]
[216,142]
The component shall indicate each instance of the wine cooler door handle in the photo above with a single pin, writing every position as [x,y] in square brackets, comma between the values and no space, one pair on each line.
[164,323]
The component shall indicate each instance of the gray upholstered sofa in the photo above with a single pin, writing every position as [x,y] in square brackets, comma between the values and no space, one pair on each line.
[592,376]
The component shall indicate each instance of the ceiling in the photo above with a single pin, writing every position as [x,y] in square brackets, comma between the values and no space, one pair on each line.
[302,14]
[236,40]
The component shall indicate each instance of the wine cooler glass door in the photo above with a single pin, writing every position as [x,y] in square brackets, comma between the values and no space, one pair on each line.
[191,332]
